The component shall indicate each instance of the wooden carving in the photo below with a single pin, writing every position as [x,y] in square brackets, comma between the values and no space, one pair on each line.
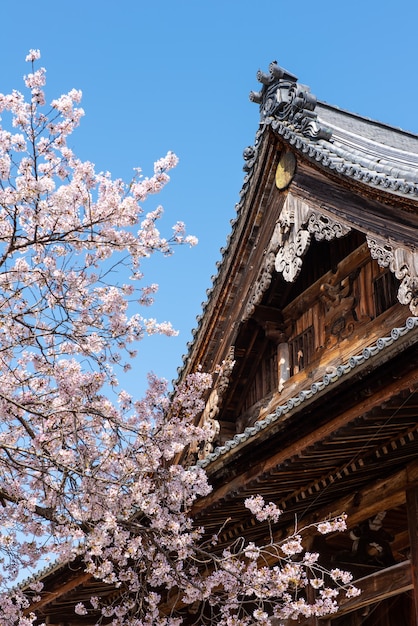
[325,228]
[261,284]
[371,544]
[265,274]
[299,222]
[213,405]
[339,305]
[403,263]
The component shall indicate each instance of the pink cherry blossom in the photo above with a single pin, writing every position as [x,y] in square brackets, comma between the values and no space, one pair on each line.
[87,470]
[33,55]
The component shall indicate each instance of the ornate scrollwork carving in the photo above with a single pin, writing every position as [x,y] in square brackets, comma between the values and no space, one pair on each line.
[289,257]
[294,238]
[213,405]
[283,99]
[403,262]
[265,274]
[292,235]
[380,250]
[339,310]
[298,223]
[261,284]
[324,228]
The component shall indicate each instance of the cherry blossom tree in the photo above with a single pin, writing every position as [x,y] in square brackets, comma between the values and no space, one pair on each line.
[82,476]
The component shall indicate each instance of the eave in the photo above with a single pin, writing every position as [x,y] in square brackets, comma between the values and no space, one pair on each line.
[315,453]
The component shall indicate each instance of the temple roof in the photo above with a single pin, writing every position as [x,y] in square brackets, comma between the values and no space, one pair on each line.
[376,154]
[369,158]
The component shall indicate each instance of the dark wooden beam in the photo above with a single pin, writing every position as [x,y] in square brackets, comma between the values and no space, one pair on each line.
[380,495]
[379,586]
[412,513]
[49,596]
[374,588]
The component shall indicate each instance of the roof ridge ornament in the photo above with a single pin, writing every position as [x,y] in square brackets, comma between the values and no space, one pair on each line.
[283,100]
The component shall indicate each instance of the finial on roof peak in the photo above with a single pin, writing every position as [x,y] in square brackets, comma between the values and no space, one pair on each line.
[283,100]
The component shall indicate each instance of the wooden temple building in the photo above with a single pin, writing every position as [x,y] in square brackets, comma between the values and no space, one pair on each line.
[314,311]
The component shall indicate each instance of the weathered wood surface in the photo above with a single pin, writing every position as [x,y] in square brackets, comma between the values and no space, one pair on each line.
[48,596]
[374,588]
[364,503]
[412,511]
[368,215]
[378,587]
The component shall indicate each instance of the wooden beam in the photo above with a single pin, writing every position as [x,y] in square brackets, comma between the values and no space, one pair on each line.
[381,495]
[377,587]
[50,596]
[412,513]
[374,588]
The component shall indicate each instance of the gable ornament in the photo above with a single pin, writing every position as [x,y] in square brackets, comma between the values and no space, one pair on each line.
[297,224]
[285,170]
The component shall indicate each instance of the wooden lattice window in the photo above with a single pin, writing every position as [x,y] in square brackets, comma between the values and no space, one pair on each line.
[301,350]
[385,289]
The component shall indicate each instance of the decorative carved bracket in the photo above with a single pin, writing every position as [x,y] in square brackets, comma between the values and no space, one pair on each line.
[297,224]
[213,405]
[265,275]
[283,99]
[403,262]
[371,544]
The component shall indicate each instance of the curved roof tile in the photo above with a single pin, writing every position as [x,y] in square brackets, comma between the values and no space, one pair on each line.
[356,147]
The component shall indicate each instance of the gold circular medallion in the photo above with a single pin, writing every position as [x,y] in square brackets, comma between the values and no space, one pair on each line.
[285,170]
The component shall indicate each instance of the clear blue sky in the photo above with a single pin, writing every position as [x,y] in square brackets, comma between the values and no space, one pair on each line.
[175,75]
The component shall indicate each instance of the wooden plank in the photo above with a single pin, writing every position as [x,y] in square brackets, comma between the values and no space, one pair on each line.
[49,596]
[380,495]
[412,513]
[374,588]
[379,586]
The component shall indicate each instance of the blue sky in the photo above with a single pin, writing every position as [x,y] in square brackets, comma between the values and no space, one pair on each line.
[160,76]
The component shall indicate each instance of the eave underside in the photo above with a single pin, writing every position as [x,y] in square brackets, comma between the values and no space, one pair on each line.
[327,454]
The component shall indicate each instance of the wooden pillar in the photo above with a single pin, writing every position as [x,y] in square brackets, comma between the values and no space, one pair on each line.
[412,512]
[283,364]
